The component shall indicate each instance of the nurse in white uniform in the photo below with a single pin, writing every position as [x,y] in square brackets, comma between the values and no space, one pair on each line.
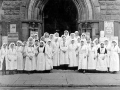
[19,49]
[72,55]
[49,56]
[101,62]
[64,61]
[108,47]
[92,57]
[56,53]
[41,57]
[4,58]
[83,53]
[114,57]
[12,58]
[30,56]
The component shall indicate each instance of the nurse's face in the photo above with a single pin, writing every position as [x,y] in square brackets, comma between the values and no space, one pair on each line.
[19,44]
[57,34]
[76,34]
[56,39]
[41,44]
[35,36]
[102,45]
[46,35]
[12,45]
[82,43]
[78,40]
[66,33]
[5,45]
[36,42]
[88,41]
[51,36]
[49,42]
[72,41]
[30,43]
[96,42]
[83,36]
[92,44]
[106,42]
[114,43]
[64,39]
[72,36]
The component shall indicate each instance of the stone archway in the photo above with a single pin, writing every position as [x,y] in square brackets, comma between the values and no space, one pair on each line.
[84,9]
[60,15]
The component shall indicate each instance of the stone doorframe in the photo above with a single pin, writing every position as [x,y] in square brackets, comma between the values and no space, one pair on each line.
[36,7]
[84,8]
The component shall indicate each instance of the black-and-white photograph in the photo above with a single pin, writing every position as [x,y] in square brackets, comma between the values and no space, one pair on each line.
[59,44]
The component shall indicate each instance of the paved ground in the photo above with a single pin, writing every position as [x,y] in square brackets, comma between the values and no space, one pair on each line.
[86,88]
[61,79]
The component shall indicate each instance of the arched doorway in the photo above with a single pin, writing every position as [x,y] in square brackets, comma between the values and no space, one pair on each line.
[74,12]
[60,15]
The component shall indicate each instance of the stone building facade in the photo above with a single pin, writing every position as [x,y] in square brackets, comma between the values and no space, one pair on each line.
[28,15]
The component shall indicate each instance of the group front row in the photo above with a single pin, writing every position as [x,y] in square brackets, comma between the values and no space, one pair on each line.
[44,56]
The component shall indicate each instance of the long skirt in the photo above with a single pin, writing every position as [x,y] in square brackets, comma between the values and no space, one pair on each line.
[101,63]
[91,62]
[48,63]
[64,58]
[34,64]
[114,61]
[12,62]
[82,61]
[56,59]
[4,65]
[28,64]
[73,59]
[19,61]
[40,62]
[108,60]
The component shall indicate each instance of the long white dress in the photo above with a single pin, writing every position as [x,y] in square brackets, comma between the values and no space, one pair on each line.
[101,62]
[3,54]
[77,52]
[108,55]
[36,53]
[30,52]
[49,57]
[92,55]
[0,61]
[12,58]
[41,59]
[64,53]
[56,54]
[19,58]
[114,58]
[83,52]
[24,56]
[72,55]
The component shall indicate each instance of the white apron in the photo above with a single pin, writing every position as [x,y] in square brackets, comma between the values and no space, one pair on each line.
[48,57]
[77,52]
[64,54]
[36,53]
[3,54]
[101,62]
[83,52]
[92,55]
[72,55]
[41,60]
[56,54]
[108,55]
[114,58]
[29,65]
[20,58]
[12,58]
